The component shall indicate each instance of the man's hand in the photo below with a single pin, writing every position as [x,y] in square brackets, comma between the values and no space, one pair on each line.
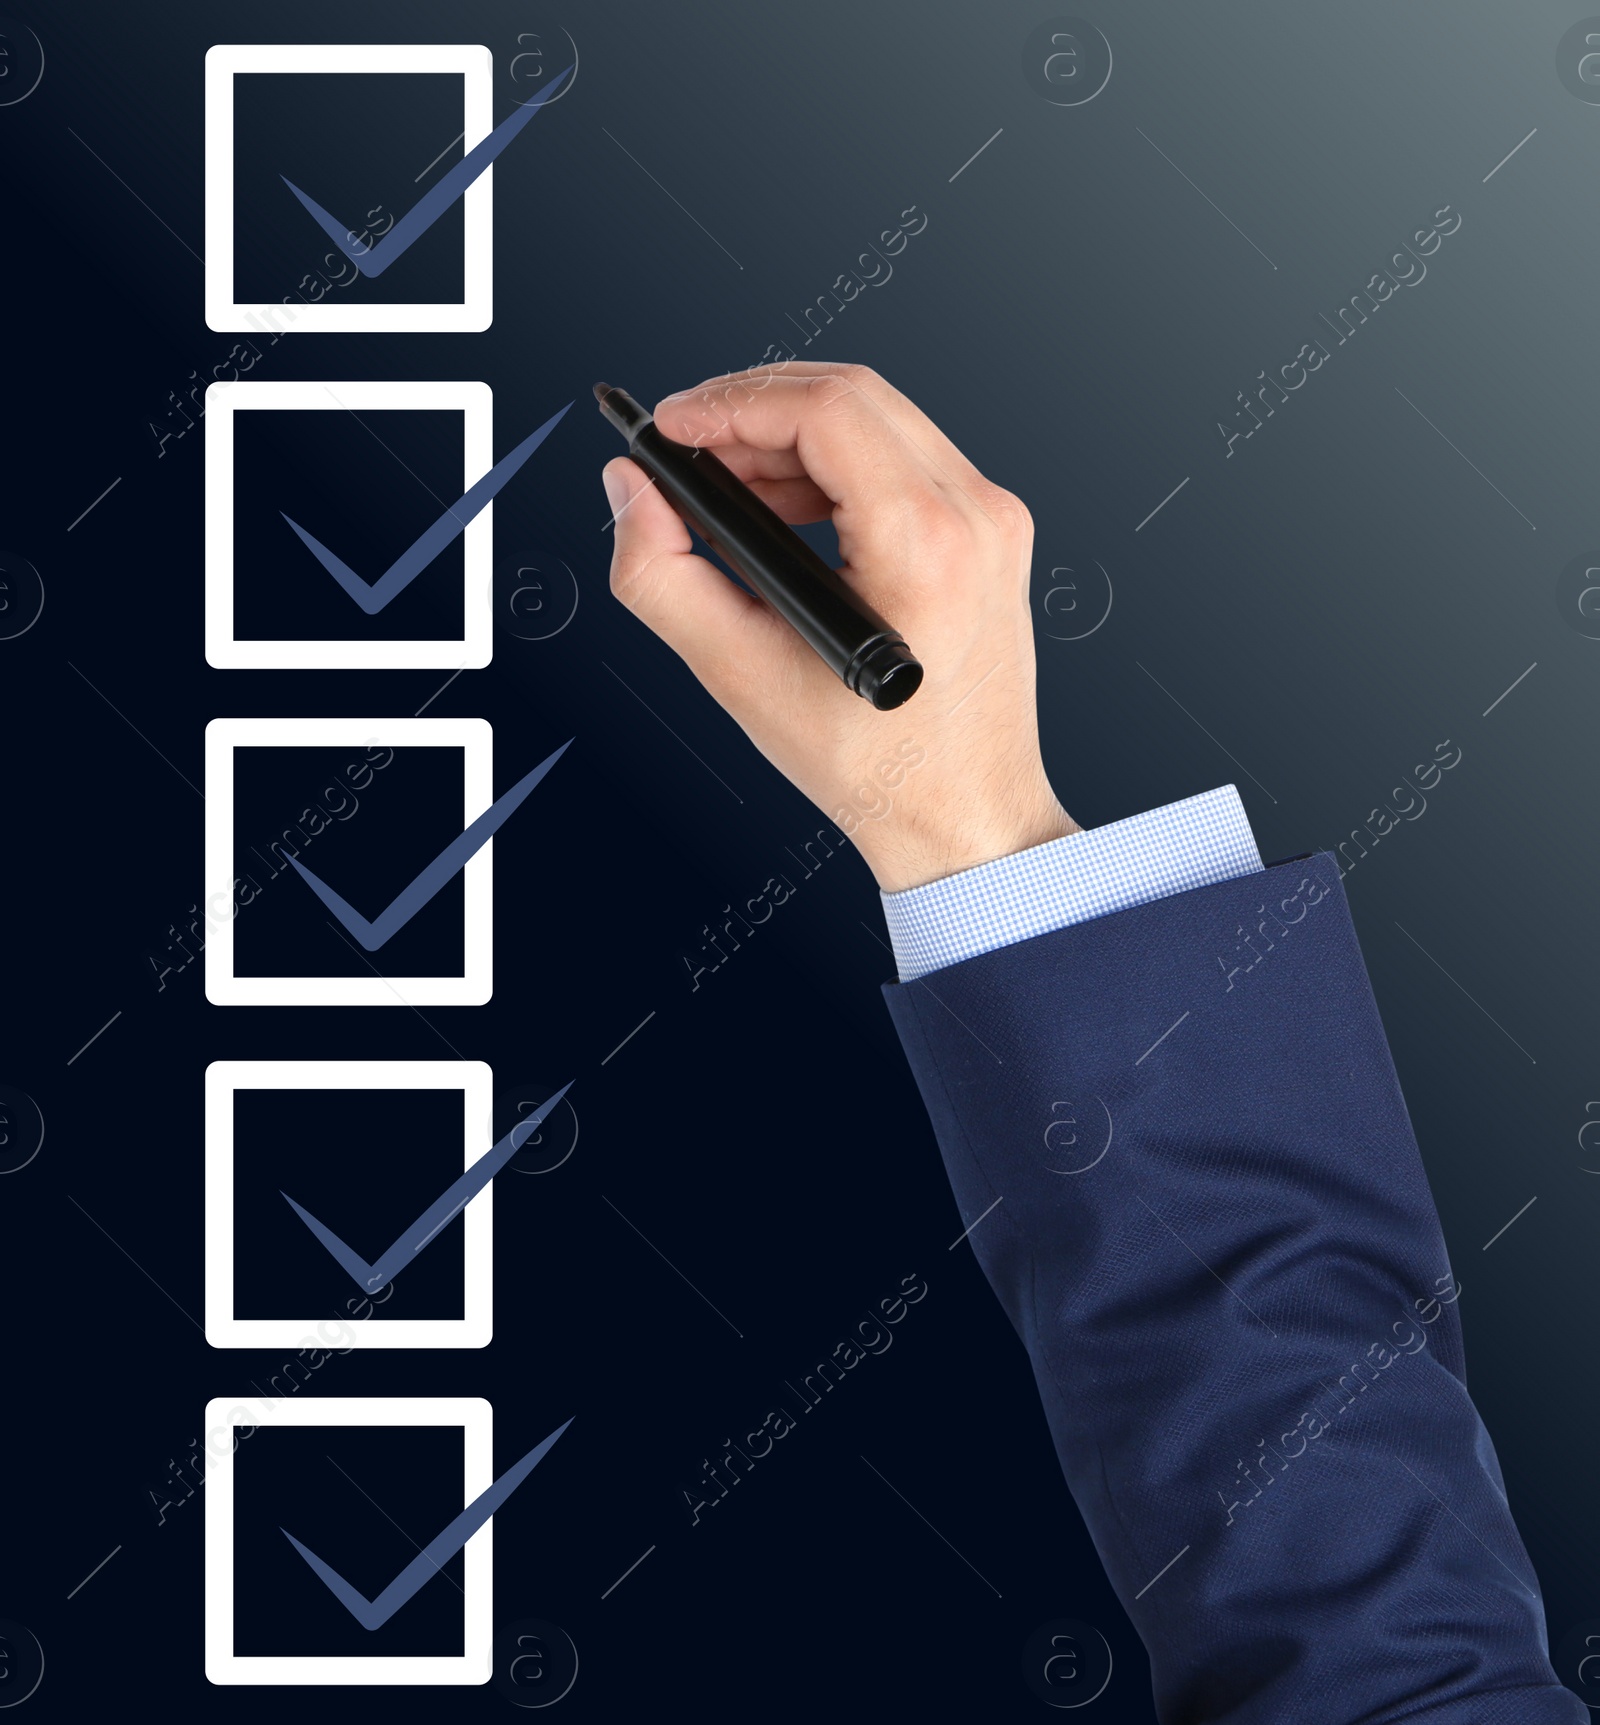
[954,777]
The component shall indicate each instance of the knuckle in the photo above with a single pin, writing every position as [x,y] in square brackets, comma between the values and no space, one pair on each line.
[1008,512]
[833,389]
[859,385]
[631,579]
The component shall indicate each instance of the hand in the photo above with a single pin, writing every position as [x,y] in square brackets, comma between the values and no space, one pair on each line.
[954,777]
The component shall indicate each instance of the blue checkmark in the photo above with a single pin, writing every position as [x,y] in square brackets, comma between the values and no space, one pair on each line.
[374,1613]
[443,869]
[373,260]
[371,1277]
[373,596]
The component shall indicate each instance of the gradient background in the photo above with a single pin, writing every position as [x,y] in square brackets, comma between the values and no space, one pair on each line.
[1355,585]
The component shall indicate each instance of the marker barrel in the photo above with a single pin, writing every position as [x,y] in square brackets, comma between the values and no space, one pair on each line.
[869,657]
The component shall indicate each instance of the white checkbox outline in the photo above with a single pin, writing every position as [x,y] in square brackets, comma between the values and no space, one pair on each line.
[224,1079]
[475,738]
[225,1417]
[474,402]
[474,64]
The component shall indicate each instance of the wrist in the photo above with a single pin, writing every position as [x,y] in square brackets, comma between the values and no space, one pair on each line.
[904,858]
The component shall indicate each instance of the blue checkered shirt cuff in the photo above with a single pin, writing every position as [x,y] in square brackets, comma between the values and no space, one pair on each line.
[1193,843]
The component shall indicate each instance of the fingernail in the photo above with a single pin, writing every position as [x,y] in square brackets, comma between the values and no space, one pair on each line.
[618,488]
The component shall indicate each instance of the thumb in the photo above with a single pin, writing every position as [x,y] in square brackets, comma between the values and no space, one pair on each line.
[722,633]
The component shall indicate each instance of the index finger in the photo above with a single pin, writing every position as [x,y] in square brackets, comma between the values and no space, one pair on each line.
[882,484]
[736,388]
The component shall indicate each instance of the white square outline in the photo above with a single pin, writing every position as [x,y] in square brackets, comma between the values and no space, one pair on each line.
[473,1078]
[475,737]
[473,401]
[473,1665]
[473,63]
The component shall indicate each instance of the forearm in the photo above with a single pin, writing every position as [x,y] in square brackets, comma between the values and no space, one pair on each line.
[1204,1211]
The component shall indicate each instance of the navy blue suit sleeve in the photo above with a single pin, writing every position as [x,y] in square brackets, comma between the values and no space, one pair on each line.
[1209,1223]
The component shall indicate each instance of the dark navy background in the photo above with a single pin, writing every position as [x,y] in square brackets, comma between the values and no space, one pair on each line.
[330,134]
[365,1163]
[377,842]
[310,465]
[289,1478]
[1310,617]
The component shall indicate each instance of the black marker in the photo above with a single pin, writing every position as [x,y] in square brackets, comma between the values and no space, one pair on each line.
[870,657]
